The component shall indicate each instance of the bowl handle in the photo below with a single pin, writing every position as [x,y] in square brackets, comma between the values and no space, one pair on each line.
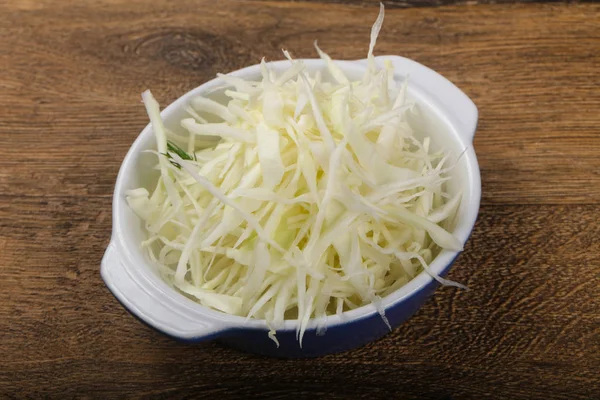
[454,100]
[149,306]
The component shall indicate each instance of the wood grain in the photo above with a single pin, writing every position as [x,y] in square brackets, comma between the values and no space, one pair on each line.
[391,4]
[72,73]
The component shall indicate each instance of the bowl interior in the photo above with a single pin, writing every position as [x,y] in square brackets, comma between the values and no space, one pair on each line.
[429,119]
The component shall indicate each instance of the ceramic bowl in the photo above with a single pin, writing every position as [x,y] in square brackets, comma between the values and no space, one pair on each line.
[449,117]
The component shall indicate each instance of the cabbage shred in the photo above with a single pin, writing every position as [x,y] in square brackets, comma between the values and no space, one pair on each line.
[314,198]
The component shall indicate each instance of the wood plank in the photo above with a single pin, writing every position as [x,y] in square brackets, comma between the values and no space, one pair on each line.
[74,75]
[528,326]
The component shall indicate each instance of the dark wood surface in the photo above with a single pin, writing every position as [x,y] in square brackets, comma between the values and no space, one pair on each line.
[71,74]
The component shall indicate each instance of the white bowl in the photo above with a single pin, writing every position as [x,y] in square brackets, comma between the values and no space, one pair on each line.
[451,122]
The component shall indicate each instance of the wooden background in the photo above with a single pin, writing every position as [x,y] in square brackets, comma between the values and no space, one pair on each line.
[71,74]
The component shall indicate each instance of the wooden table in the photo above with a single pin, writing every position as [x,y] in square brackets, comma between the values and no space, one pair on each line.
[70,83]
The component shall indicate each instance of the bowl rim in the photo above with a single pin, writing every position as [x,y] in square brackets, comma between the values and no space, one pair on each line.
[219,321]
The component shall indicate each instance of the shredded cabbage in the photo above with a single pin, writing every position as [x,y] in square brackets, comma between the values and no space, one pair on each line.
[315,198]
